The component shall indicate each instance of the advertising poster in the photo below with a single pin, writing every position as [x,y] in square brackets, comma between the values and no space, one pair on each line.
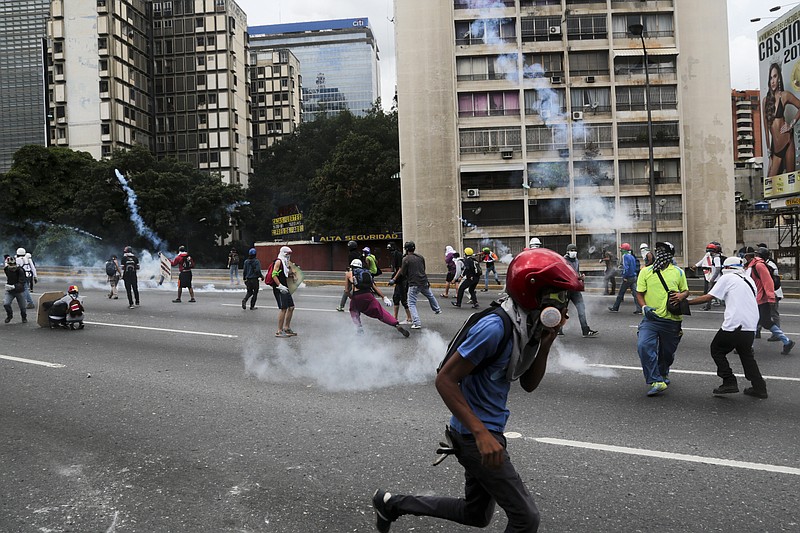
[779,76]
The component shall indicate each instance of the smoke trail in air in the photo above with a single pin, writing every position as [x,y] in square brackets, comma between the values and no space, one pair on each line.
[141,228]
[39,225]
[231,207]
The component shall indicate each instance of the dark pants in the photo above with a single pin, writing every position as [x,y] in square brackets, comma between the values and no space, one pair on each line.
[400,294]
[576,298]
[252,290]
[483,487]
[626,284]
[132,285]
[468,285]
[610,280]
[742,341]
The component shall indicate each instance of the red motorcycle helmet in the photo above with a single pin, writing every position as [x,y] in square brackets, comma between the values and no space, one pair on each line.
[625,246]
[533,270]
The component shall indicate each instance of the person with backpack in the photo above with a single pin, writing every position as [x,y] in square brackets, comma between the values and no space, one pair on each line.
[130,267]
[15,290]
[185,264]
[400,294]
[33,279]
[629,273]
[281,272]
[413,268]
[765,296]
[575,296]
[506,343]
[72,307]
[450,265]
[609,272]
[352,253]
[764,253]
[472,276]
[361,286]
[114,273]
[233,266]
[252,275]
[738,328]
[488,257]
[29,273]
[370,262]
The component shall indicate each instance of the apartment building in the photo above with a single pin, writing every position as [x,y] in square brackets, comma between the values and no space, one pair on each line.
[523,118]
[171,76]
[747,124]
[23,30]
[275,95]
[339,62]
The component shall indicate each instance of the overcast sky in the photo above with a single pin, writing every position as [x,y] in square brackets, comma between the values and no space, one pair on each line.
[744,55]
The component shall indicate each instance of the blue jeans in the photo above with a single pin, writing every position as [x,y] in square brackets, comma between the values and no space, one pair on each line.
[234,273]
[577,300]
[657,344]
[8,299]
[490,268]
[626,284]
[413,291]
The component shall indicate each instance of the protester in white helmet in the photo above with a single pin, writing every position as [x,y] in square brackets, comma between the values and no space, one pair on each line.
[535,243]
[29,271]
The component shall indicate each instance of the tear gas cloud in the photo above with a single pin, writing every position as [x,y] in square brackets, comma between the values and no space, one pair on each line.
[566,360]
[336,359]
[138,222]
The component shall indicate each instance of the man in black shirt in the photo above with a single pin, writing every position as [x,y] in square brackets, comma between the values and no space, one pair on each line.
[413,268]
[400,296]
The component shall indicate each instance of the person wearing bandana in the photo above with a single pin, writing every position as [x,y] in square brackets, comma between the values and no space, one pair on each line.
[659,331]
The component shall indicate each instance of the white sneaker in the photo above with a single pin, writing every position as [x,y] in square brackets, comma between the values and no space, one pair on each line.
[416,326]
[405,322]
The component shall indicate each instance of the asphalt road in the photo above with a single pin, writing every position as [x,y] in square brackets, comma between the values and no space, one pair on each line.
[195,418]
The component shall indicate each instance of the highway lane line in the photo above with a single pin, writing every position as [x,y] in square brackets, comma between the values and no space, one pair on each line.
[32,362]
[669,455]
[694,372]
[186,331]
[715,329]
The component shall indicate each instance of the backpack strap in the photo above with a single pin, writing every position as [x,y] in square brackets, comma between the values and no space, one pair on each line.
[508,331]
[664,283]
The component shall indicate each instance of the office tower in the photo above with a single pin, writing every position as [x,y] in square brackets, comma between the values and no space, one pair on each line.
[338,62]
[170,76]
[22,76]
[275,95]
[523,118]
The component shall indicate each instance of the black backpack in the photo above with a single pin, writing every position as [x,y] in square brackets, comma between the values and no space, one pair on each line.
[363,279]
[187,263]
[111,268]
[462,333]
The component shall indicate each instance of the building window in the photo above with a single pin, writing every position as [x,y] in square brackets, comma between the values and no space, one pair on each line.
[199,22]
[103,64]
[541,29]
[582,27]
[490,104]
[588,64]
[102,43]
[661,97]
[490,140]
[105,129]
[546,138]
[103,86]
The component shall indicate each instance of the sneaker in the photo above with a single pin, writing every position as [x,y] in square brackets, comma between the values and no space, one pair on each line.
[416,326]
[131,307]
[657,388]
[24,320]
[788,348]
[438,311]
[289,332]
[405,322]
[561,332]
[591,334]
[244,304]
[750,391]
[484,290]
[475,306]
[176,301]
[340,309]
[773,339]
[281,333]
[383,519]
[666,379]
[613,310]
[455,304]
[637,312]
[115,298]
[726,388]
[192,301]
[30,306]
[253,307]
[403,331]
[109,296]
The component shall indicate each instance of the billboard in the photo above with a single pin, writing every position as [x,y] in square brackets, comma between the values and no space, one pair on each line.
[779,75]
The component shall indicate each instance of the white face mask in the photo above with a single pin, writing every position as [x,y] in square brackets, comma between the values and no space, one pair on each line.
[645,251]
[572,254]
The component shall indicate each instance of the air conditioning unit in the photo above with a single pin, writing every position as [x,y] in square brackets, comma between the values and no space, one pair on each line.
[577,115]
[473,193]
[556,79]
[533,201]
[555,30]
[589,79]
[507,154]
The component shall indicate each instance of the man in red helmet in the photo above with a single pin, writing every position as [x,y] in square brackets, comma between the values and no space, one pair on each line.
[474,384]
[629,273]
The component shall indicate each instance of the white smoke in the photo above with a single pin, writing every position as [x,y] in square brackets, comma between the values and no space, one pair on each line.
[138,222]
[566,360]
[334,358]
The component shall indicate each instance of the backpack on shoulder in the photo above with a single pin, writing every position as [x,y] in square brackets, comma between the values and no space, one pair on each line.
[111,268]
[268,276]
[463,332]
[363,279]
[187,263]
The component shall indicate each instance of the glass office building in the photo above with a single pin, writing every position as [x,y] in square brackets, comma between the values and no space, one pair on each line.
[23,28]
[338,62]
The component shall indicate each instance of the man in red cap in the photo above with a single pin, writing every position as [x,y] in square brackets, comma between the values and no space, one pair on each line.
[629,273]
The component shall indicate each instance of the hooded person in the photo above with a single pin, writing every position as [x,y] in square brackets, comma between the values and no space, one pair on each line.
[252,275]
[185,264]
[506,343]
[282,272]
[738,328]
[130,267]
[15,290]
[450,264]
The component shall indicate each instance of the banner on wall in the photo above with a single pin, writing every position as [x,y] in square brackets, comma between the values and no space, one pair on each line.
[779,74]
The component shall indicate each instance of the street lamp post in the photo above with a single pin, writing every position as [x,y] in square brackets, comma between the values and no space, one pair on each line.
[638,30]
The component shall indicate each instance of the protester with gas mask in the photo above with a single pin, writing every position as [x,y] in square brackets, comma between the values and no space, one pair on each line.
[575,296]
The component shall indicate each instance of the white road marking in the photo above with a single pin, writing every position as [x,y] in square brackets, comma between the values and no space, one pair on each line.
[695,372]
[32,362]
[669,455]
[187,332]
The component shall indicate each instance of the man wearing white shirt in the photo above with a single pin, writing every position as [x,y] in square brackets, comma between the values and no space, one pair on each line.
[738,328]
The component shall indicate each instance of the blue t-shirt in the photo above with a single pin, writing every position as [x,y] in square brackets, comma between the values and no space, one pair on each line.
[486,392]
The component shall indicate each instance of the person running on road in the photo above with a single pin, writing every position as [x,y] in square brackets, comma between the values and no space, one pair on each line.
[400,294]
[488,257]
[282,272]
[659,331]
[185,264]
[575,296]
[130,267]
[361,286]
[413,268]
[765,297]
[15,290]
[472,277]
[352,253]
[629,274]
[738,330]
[252,275]
[474,384]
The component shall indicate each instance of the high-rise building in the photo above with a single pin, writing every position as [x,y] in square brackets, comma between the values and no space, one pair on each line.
[22,76]
[275,95]
[747,124]
[338,62]
[171,76]
[523,118]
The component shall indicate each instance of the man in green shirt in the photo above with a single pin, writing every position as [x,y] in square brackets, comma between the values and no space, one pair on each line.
[660,331]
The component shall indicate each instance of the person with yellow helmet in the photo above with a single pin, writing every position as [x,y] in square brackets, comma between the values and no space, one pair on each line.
[472,276]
